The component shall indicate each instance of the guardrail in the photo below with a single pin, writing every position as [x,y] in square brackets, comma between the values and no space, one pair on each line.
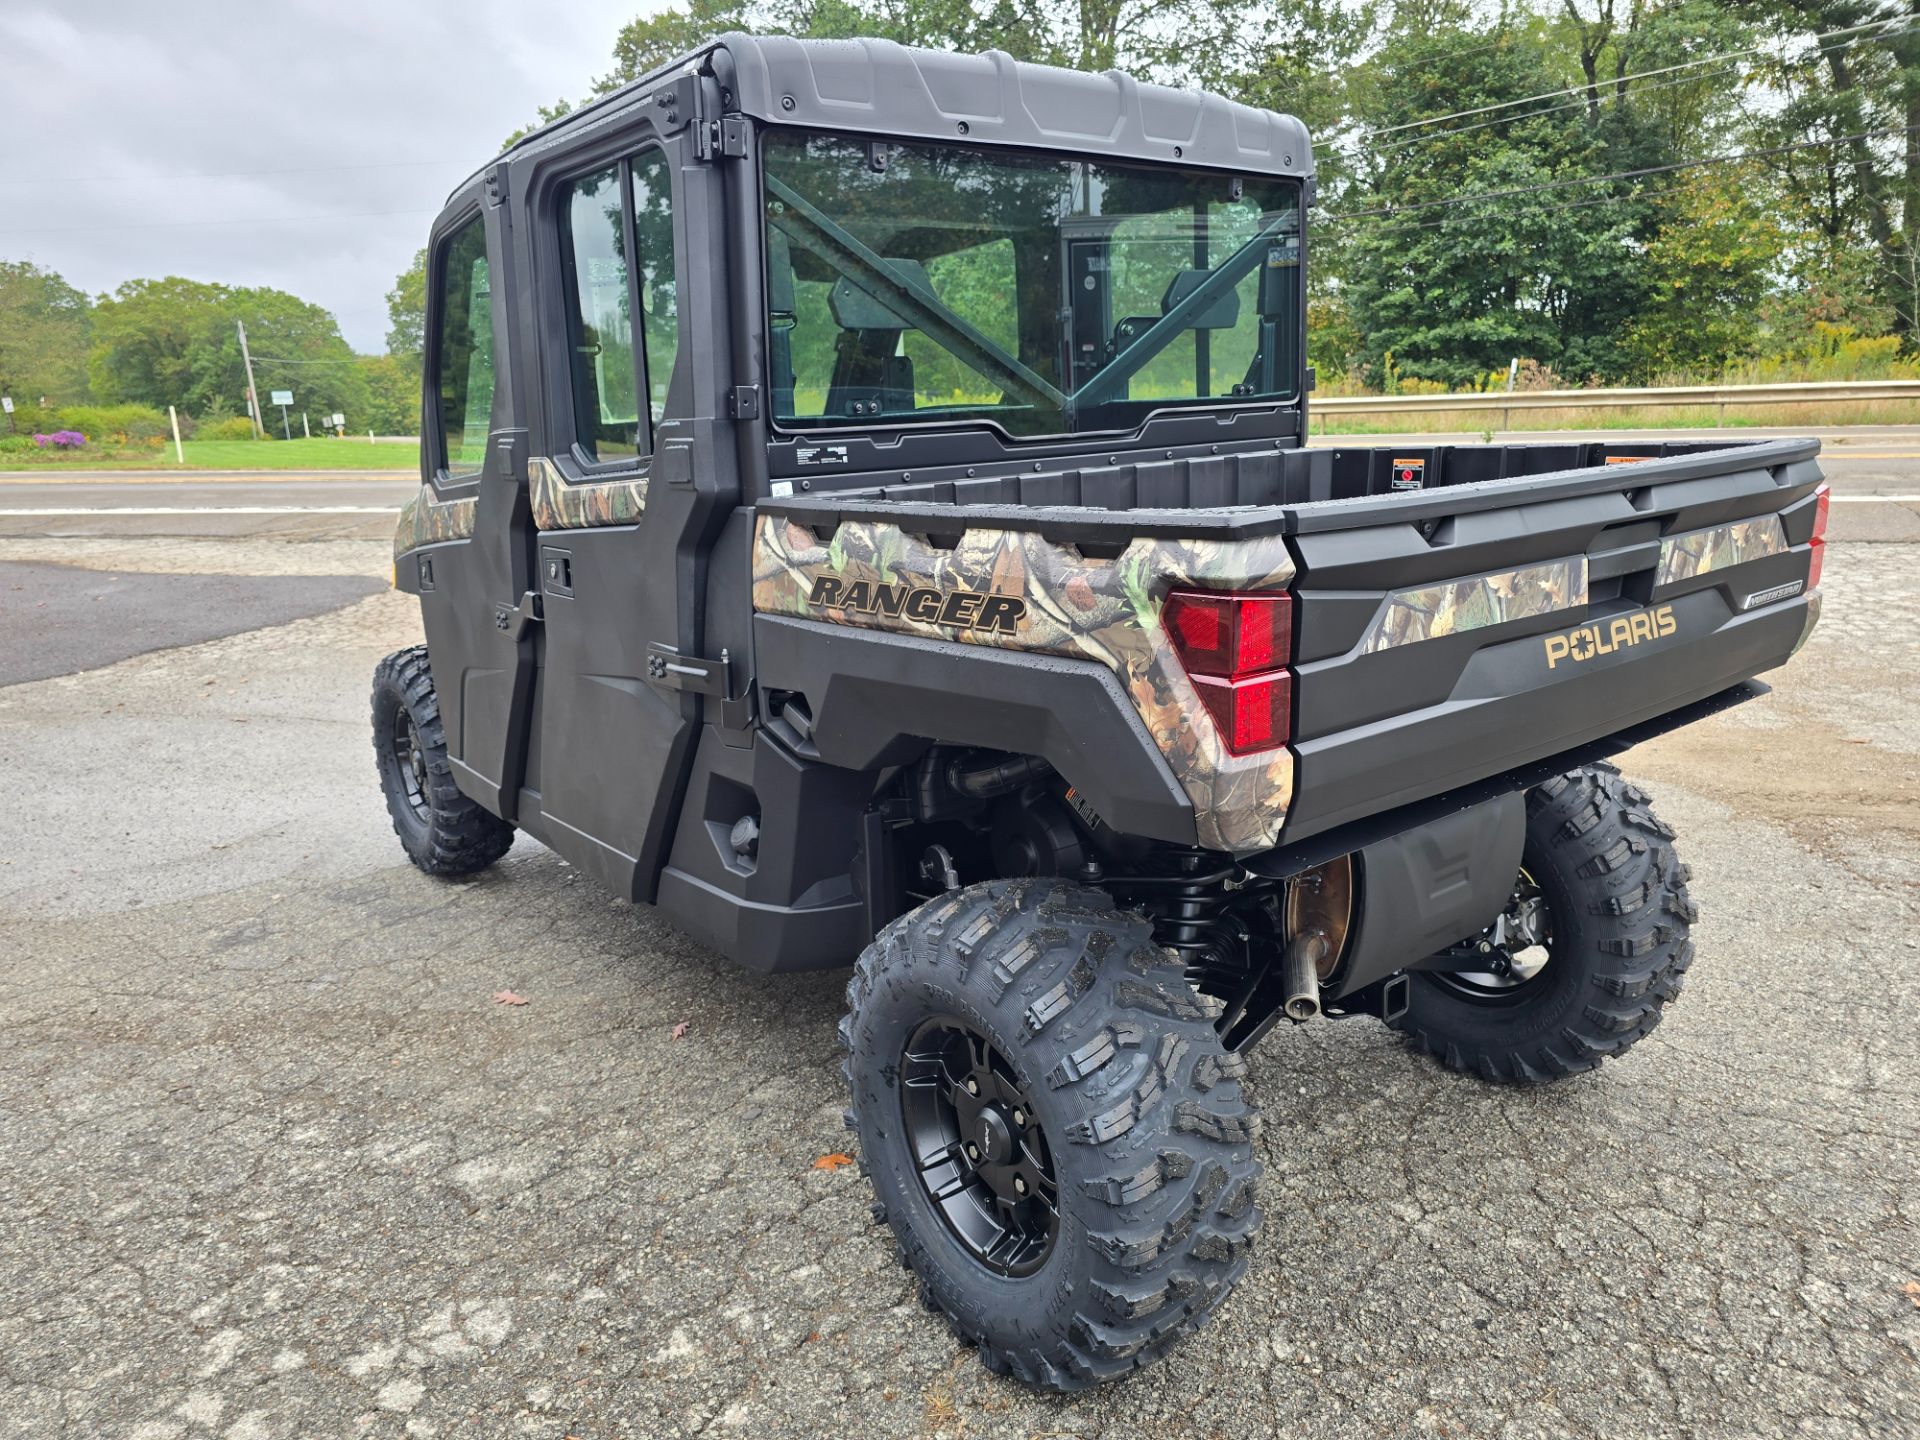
[1719,396]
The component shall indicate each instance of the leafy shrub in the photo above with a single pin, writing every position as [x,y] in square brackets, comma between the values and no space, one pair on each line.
[17,444]
[115,424]
[234,427]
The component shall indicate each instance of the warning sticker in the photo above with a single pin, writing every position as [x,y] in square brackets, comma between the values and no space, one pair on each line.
[1408,475]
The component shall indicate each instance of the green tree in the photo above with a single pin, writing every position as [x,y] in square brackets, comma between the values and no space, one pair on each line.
[44,329]
[173,341]
[393,394]
[1454,287]
[1708,271]
[407,309]
[1861,189]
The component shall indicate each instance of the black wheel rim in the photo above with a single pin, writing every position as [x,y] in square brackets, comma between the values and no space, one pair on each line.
[979,1152]
[1518,947]
[410,764]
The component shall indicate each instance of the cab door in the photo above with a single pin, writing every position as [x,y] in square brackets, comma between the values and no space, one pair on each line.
[628,489]
[474,583]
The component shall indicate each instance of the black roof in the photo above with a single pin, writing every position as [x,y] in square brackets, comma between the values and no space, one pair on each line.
[879,87]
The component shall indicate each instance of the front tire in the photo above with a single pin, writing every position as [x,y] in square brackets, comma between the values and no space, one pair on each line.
[1052,1129]
[1616,935]
[442,830]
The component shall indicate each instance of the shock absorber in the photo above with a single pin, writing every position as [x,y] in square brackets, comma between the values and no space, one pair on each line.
[1189,913]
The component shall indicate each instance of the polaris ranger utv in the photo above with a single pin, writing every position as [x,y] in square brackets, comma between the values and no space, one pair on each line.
[867,513]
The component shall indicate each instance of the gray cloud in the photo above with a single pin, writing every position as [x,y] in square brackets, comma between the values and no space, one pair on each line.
[115,113]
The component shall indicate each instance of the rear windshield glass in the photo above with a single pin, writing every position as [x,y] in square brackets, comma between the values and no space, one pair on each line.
[936,283]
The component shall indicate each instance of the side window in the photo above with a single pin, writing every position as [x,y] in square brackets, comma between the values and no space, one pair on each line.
[464,375]
[600,318]
[659,298]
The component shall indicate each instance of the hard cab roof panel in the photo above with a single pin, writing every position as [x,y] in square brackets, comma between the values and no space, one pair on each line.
[878,87]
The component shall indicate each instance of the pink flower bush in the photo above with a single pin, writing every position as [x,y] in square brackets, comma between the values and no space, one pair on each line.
[61,440]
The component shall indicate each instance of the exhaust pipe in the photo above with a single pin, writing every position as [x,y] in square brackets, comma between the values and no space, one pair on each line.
[1300,970]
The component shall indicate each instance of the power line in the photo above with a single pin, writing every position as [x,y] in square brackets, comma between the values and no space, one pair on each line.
[1881,23]
[191,224]
[1610,95]
[1574,181]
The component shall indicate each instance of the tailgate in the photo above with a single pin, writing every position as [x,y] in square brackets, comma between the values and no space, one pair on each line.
[1446,635]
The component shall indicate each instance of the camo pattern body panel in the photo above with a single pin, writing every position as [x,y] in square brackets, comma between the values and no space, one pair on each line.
[1430,611]
[1720,546]
[428,520]
[560,506]
[1017,591]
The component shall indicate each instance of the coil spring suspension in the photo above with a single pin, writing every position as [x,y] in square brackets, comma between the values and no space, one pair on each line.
[1191,911]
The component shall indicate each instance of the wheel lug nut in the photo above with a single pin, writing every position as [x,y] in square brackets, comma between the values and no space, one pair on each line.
[973,1086]
[1019,1117]
[1019,1186]
[973,1151]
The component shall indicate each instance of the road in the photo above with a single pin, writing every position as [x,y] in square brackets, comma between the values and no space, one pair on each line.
[277,1165]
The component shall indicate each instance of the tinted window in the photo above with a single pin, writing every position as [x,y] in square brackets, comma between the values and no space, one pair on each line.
[464,354]
[600,318]
[1045,295]
[659,299]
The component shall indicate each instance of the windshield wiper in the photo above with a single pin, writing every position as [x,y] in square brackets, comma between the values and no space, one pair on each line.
[807,225]
[1157,336]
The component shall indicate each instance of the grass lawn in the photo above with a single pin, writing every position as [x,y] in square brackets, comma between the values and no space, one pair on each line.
[226,455]
[1622,417]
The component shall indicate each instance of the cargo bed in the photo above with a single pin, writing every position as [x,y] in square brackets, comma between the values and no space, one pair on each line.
[1456,617]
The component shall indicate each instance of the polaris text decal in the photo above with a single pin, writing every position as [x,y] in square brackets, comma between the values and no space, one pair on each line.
[1603,637]
[990,611]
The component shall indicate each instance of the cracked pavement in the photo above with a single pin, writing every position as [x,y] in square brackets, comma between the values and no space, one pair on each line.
[277,1165]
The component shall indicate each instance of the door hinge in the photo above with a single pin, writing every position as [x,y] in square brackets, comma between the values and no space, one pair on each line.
[514,619]
[733,136]
[667,666]
[743,402]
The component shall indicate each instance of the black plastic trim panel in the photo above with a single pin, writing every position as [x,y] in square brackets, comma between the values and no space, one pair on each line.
[1059,502]
[870,691]
[1294,856]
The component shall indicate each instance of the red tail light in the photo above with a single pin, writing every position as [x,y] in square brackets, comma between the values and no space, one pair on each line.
[1235,649]
[1822,501]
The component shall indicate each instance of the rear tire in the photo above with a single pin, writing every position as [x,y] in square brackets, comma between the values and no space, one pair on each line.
[443,831]
[1619,918]
[1127,1119]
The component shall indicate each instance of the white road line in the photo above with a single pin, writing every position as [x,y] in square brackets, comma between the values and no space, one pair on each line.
[1868,499]
[207,510]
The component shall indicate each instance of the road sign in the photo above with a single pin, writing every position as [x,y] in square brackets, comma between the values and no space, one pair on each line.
[6,404]
[283,397]
[338,419]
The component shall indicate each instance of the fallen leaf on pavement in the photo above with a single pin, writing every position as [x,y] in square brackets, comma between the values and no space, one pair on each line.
[1912,1291]
[680,1030]
[835,1161]
[507,997]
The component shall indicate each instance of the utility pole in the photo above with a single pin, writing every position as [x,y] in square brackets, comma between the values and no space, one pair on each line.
[253,395]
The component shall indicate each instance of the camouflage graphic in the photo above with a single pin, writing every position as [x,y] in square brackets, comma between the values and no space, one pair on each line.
[1717,547]
[1431,611]
[1106,610]
[560,506]
[428,520]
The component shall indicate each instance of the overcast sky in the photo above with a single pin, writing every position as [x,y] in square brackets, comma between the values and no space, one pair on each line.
[154,137]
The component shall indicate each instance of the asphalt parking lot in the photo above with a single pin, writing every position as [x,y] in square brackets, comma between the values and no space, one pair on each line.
[276,1163]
